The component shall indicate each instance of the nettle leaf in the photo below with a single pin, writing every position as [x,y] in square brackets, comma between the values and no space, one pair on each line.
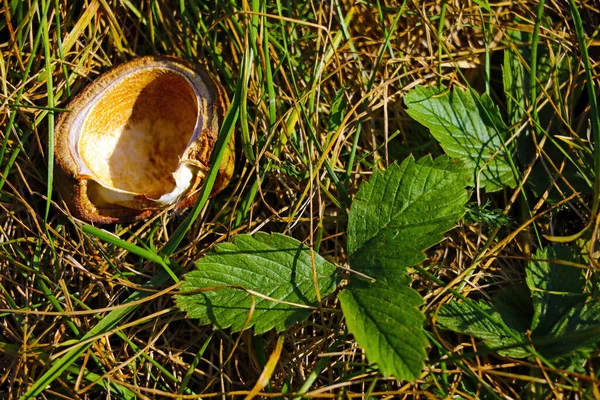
[566,318]
[467,126]
[553,309]
[401,212]
[464,318]
[384,319]
[394,217]
[515,306]
[581,333]
[275,266]
[555,288]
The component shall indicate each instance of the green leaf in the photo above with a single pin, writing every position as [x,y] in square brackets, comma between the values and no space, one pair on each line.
[573,337]
[581,334]
[395,216]
[515,307]
[277,268]
[463,317]
[401,212]
[566,319]
[385,321]
[555,288]
[467,126]
[563,320]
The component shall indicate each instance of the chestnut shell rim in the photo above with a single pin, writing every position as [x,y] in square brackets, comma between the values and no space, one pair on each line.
[75,130]
[207,102]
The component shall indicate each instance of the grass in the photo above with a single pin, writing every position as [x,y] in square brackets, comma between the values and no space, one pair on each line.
[316,94]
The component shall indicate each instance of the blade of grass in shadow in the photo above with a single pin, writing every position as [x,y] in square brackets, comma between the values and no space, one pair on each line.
[465,368]
[115,316]
[595,125]
[272,98]
[50,119]
[188,375]
[243,99]
[534,50]
[594,113]
[61,53]
[488,35]
[440,33]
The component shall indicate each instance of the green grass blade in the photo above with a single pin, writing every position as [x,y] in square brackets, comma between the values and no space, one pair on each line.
[13,115]
[243,100]
[147,254]
[535,38]
[106,324]
[188,375]
[594,112]
[50,151]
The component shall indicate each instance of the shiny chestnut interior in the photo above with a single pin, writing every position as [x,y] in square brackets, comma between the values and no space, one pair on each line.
[134,135]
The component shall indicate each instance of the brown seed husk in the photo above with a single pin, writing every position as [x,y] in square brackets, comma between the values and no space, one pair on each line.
[130,131]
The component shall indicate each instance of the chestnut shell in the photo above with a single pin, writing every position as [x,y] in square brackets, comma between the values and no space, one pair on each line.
[139,139]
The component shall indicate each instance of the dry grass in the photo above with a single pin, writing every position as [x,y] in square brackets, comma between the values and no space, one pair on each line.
[57,282]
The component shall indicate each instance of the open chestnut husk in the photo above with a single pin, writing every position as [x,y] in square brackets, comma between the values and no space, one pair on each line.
[139,139]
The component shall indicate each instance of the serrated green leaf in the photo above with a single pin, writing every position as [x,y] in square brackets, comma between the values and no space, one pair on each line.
[566,319]
[467,126]
[574,336]
[394,217]
[384,319]
[515,307]
[581,334]
[275,266]
[555,288]
[401,212]
[562,320]
[464,318]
